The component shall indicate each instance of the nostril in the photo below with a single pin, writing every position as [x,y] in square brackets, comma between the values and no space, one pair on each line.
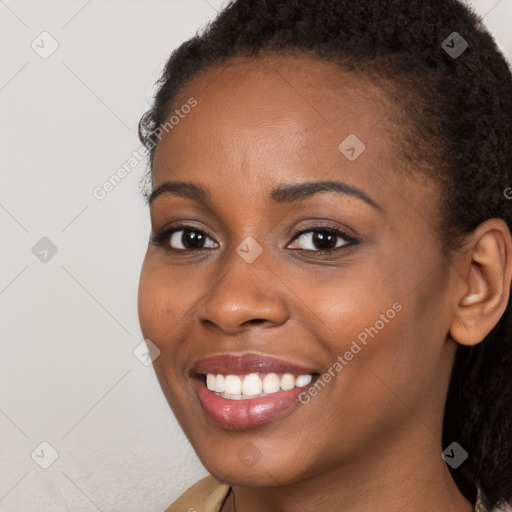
[254,321]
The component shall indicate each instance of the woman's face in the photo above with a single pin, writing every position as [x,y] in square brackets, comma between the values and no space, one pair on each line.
[361,303]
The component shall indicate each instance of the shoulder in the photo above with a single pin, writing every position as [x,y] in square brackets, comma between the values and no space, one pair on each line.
[206,495]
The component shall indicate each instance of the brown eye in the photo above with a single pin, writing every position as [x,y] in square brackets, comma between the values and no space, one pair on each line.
[183,238]
[322,239]
[190,239]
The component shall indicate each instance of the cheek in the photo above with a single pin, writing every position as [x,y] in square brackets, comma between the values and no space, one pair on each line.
[396,372]
[155,303]
[350,307]
[146,297]
[383,328]
[167,300]
[159,310]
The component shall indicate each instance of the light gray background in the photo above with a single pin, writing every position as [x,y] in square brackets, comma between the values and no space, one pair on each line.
[68,375]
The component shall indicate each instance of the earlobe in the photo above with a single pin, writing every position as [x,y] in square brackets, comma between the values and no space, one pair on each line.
[486,276]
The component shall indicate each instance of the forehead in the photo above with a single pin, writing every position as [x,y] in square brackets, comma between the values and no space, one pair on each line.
[289,110]
[262,122]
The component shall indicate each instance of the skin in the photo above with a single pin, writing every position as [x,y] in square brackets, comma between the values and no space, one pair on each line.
[371,438]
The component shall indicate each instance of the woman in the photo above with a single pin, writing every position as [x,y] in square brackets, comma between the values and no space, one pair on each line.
[329,268]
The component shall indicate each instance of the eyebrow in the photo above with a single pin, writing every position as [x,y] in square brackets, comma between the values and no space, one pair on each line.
[284,193]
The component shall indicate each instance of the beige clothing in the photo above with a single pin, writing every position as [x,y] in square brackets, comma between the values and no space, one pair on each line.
[208,495]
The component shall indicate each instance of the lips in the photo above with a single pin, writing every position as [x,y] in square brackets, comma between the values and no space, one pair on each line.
[236,411]
[241,365]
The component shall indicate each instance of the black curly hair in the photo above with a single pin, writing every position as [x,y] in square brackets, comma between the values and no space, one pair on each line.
[459,110]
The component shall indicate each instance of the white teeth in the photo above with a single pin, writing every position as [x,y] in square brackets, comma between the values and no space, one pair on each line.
[287,382]
[252,385]
[232,397]
[271,383]
[303,380]
[210,382]
[219,383]
[234,387]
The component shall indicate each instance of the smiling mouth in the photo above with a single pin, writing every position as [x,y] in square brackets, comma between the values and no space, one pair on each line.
[241,391]
[241,405]
[254,385]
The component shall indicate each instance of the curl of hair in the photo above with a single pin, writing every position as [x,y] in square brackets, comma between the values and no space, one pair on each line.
[459,111]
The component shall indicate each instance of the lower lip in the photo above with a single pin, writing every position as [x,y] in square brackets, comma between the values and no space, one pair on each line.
[244,414]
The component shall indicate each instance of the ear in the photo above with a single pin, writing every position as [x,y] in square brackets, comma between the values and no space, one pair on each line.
[483,273]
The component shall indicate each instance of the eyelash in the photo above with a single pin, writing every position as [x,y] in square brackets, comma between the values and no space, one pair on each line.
[161,239]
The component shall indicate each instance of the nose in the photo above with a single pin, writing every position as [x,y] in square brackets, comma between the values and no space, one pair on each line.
[244,294]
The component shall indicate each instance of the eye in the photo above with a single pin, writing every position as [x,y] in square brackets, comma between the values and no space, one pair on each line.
[183,238]
[322,239]
[187,238]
